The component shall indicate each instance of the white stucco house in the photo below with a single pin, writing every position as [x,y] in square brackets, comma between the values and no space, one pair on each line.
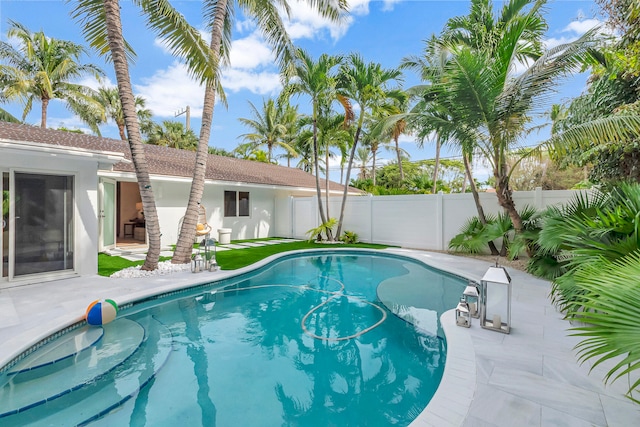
[67,196]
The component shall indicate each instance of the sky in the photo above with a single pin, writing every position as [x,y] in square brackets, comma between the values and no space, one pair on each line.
[384,31]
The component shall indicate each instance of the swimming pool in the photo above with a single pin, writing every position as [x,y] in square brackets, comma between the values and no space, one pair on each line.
[309,340]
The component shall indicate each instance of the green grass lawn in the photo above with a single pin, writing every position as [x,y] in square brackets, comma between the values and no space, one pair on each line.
[231,259]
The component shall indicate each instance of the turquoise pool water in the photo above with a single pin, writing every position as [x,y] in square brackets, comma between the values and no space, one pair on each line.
[310,340]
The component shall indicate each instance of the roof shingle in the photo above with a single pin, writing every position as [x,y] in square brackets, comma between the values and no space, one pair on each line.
[168,161]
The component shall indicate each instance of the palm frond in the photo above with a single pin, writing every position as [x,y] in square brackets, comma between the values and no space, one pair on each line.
[610,309]
[90,15]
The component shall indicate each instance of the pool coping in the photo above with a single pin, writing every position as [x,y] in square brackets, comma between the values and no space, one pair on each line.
[468,375]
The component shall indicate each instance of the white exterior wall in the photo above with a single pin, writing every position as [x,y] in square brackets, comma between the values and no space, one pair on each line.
[425,221]
[172,197]
[84,170]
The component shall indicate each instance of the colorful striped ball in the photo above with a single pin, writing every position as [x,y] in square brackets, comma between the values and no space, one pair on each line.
[101,312]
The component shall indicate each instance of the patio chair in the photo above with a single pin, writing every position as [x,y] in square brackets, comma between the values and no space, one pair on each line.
[202,228]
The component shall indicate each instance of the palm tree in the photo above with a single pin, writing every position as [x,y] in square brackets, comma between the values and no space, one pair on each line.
[491,108]
[332,132]
[304,147]
[109,98]
[430,66]
[219,15]
[363,156]
[102,26]
[248,151]
[292,123]
[44,68]
[367,85]
[317,80]
[269,127]
[173,134]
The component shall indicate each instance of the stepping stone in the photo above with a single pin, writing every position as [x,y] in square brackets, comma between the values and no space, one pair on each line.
[233,246]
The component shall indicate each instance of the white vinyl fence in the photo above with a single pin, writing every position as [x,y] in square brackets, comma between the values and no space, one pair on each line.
[425,221]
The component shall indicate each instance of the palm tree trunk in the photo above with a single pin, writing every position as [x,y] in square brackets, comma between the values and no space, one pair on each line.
[326,175]
[399,158]
[437,166]
[373,167]
[43,113]
[476,199]
[182,253]
[505,199]
[352,155]
[123,135]
[316,166]
[121,68]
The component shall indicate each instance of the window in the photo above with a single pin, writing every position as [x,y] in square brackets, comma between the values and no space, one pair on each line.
[236,203]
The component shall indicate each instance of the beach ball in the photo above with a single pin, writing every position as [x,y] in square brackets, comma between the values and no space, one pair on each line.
[101,312]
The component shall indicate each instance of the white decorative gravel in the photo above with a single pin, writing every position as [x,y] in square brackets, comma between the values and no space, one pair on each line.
[164,267]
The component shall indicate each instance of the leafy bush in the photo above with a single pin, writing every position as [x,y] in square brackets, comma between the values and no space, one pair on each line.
[349,237]
[326,229]
[474,237]
[590,248]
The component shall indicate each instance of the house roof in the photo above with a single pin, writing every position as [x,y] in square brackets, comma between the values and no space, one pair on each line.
[168,161]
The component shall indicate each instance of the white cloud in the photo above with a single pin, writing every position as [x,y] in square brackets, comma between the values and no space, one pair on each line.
[94,84]
[250,52]
[361,7]
[245,25]
[582,26]
[388,5]
[305,22]
[170,90]
[261,83]
[572,31]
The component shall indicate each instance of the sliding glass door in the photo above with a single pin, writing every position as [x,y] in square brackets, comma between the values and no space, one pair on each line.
[4,231]
[44,223]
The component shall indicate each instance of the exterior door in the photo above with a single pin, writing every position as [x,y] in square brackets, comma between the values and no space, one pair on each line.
[107,215]
[42,223]
[4,231]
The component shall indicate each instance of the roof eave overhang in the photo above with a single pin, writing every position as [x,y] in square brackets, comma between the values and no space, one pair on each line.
[131,176]
[105,159]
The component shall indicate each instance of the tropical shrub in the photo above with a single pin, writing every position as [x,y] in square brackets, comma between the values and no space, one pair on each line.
[594,229]
[349,237]
[610,306]
[325,228]
[474,237]
[590,248]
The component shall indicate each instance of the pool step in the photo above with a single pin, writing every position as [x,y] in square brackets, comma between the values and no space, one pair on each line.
[32,387]
[67,348]
[86,396]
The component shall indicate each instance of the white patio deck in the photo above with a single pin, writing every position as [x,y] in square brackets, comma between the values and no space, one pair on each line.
[527,378]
